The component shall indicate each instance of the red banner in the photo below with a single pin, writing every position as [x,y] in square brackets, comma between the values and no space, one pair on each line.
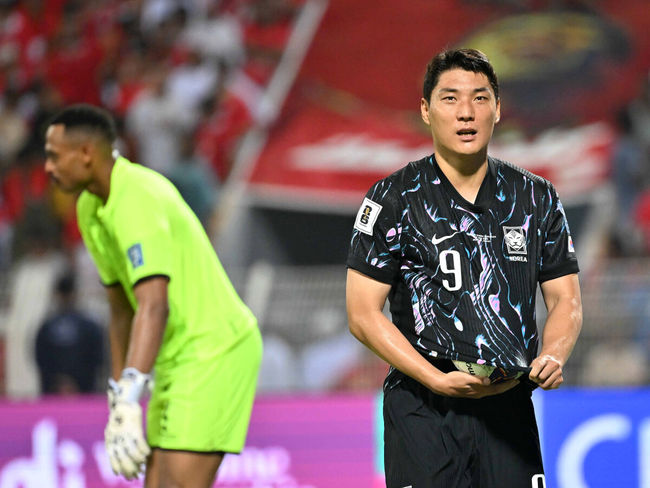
[353,116]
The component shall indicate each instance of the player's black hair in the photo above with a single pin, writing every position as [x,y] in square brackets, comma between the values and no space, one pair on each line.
[467,59]
[88,118]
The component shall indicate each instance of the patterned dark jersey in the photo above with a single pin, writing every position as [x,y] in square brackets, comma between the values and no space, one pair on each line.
[464,276]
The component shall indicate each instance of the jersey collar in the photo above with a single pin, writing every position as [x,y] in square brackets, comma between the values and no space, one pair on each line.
[486,192]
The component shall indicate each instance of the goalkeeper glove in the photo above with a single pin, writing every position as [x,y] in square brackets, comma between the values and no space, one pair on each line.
[125,443]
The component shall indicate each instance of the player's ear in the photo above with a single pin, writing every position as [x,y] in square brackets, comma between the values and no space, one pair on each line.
[424,111]
[87,151]
[498,112]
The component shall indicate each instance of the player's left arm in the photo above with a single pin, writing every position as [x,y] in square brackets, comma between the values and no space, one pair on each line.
[563,324]
[149,323]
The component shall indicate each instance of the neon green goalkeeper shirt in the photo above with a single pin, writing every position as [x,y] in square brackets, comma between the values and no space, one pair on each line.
[145,229]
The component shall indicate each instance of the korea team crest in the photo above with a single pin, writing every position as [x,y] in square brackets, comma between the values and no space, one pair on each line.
[515,238]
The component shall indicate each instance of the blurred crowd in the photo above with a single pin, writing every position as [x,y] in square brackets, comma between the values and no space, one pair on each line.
[184,80]
[183,77]
[631,178]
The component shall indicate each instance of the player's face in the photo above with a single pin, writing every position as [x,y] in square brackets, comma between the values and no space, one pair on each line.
[461,113]
[67,161]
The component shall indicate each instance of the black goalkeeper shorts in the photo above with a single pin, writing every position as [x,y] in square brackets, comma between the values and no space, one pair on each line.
[433,441]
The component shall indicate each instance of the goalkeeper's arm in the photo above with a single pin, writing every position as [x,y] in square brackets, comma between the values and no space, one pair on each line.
[149,323]
[119,327]
[125,442]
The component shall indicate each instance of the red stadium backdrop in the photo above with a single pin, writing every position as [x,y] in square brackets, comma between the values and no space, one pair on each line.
[352,116]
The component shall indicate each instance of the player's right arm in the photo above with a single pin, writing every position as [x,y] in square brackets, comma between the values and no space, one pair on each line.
[124,438]
[365,299]
[119,328]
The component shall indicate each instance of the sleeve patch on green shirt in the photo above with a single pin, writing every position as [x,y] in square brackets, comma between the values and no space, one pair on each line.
[135,255]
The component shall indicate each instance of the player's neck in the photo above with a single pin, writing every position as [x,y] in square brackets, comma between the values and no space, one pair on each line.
[465,174]
[101,184]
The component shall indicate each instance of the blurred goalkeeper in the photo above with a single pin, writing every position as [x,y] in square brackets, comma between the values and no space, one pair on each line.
[172,307]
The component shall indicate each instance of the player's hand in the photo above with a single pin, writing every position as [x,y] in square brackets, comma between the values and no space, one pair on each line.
[125,443]
[124,437]
[465,385]
[112,393]
[546,371]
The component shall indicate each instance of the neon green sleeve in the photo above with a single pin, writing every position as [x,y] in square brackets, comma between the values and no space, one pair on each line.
[144,238]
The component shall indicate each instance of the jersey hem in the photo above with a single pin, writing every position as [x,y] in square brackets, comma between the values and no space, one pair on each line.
[150,277]
[358,264]
[110,284]
[570,267]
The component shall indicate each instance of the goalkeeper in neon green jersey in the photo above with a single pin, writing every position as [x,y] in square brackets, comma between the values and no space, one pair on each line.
[173,309]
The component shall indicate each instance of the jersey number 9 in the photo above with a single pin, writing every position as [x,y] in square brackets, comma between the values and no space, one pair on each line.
[447,256]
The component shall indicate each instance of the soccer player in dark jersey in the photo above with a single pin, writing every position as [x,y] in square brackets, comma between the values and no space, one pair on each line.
[458,242]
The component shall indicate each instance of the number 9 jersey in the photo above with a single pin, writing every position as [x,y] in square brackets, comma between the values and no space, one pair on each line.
[464,275]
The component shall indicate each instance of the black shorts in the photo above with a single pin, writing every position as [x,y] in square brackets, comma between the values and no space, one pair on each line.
[435,441]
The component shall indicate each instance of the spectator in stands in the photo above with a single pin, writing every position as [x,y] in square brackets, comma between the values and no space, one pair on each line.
[627,177]
[640,117]
[195,180]
[638,137]
[157,122]
[46,101]
[218,35]
[24,184]
[25,28]
[193,81]
[225,118]
[69,346]
[127,83]
[74,60]
[13,128]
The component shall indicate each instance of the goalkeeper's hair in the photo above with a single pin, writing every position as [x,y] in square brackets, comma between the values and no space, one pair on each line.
[87,118]
[466,59]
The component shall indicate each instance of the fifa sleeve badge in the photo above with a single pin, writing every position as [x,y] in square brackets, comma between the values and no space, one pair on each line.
[135,255]
[367,216]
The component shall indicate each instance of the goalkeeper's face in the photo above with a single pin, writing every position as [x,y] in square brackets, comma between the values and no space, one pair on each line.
[68,161]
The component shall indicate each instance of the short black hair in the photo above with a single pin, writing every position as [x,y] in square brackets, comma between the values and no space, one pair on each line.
[89,118]
[467,59]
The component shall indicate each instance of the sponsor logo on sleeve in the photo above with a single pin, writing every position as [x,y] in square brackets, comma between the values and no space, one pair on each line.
[367,216]
[135,255]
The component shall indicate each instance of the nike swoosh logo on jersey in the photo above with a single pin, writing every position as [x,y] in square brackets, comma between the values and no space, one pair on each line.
[437,240]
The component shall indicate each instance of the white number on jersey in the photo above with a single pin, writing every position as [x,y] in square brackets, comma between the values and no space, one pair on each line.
[454,269]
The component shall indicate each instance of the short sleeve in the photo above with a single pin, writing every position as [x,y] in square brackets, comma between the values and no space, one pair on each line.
[145,240]
[375,244]
[558,252]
